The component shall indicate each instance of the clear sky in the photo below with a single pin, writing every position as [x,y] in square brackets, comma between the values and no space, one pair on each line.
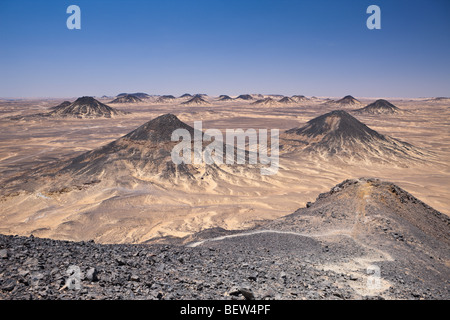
[308,47]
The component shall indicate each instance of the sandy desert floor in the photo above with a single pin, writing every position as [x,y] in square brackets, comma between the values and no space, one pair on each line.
[109,213]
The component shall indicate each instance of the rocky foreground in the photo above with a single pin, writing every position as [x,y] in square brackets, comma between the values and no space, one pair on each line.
[33,268]
[364,239]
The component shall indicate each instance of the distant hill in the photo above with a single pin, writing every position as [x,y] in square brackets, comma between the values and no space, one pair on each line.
[83,107]
[140,95]
[144,152]
[299,98]
[225,98]
[348,101]
[166,99]
[196,100]
[286,100]
[87,107]
[266,102]
[244,97]
[127,98]
[379,107]
[337,134]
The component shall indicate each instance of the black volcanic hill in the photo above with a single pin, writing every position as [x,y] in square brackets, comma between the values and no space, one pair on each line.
[196,100]
[140,95]
[379,107]
[286,100]
[337,123]
[224,97]
[266,102]
[127,98]
[299,98]
[146,149]
[86,107]
[186,95]
[244,97]
[348,101]
[338,134]
[158,130]
[166,98]
[62,105]
[144,153]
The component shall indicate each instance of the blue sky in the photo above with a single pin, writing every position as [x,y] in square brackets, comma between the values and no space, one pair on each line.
[320,48]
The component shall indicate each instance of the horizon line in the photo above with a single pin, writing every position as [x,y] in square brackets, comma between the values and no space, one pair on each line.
[214,95]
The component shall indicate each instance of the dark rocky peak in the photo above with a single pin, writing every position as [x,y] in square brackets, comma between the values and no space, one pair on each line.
[159,129]
[337,123]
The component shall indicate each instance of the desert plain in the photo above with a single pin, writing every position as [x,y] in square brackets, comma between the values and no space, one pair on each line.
[126,207]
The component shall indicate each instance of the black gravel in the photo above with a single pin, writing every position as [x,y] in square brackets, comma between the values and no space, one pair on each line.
[259,267]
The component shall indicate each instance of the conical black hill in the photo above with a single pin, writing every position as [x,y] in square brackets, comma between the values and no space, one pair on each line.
[245,97]
[337,134]
[348,100]
[337,123]
[86,107]
[380,106]
[159,129]
[196,100]
[127,98]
